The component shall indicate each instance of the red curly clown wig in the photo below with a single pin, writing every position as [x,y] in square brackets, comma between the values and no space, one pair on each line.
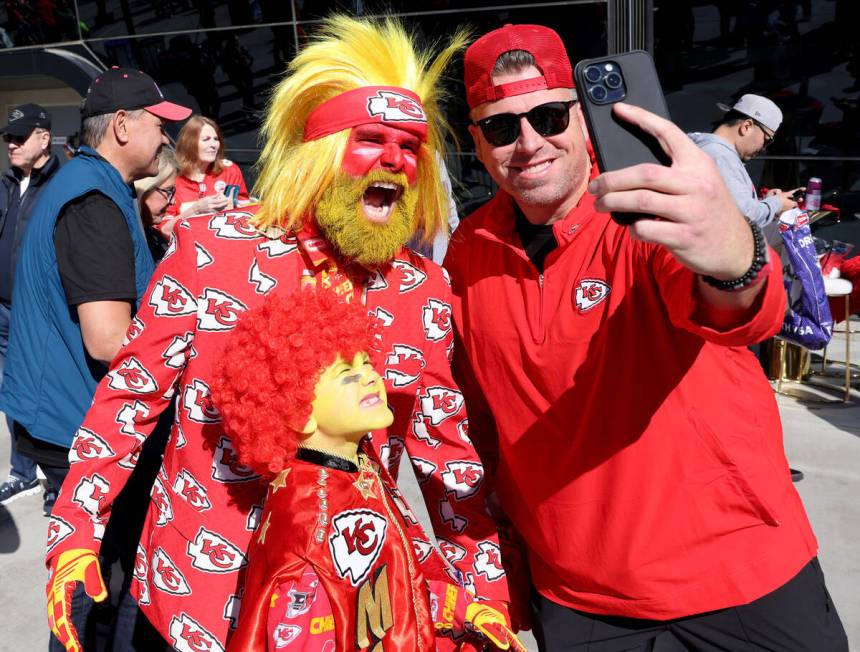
[264,382]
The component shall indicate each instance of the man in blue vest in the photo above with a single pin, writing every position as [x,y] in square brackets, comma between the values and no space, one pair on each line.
[82,268]
[28,143]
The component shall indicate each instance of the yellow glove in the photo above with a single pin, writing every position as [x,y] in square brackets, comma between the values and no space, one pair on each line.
[490,618]
[72,566]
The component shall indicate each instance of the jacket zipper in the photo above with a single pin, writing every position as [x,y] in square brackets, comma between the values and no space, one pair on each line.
[541,332]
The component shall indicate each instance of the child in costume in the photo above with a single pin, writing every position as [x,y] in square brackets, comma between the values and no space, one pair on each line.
[339,562]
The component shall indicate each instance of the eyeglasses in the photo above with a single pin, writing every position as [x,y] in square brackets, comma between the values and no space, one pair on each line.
[548,119]
[768,138]
[167,193]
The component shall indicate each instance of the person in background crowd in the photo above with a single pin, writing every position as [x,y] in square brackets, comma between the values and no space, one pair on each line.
[631,436]
[83,267]
[28,143]
[154,195]
[204,173]
[347,174]
[745,131]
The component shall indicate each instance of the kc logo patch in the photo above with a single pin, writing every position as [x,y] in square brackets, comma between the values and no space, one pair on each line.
[451,551]
[127,417]
[589,292]
[284,634]
[212,553]
[356,542]
[226,466]
[204,258]
[488,562]
[90,493]
[395,107]
[423,469]
[197,400]
[192,491]
[233,226]
[135,328]
[422,548]
[174,354]
[462,478]
[188,635]
[420,432]
[161,500]
[263,282]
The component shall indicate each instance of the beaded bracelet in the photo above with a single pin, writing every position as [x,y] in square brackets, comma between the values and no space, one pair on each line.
[753,274]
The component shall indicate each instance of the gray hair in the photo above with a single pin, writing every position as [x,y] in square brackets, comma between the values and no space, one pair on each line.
[513,61]
[94,128]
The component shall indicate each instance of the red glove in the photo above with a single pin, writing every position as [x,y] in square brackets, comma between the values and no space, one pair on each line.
[457,615]
[72,566]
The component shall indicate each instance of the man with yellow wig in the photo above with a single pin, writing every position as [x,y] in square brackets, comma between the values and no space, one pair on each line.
[348,174]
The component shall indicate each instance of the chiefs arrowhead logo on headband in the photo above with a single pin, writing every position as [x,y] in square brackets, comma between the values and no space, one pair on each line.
[398,107]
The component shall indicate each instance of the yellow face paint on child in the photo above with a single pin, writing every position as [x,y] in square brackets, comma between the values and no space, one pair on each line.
[350,400]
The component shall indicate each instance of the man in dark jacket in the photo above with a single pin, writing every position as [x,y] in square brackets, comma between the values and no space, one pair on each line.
[28,142]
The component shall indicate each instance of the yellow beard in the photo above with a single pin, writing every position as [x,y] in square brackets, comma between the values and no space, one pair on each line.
[341,218]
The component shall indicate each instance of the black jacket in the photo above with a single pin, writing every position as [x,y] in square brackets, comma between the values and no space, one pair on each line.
[9,195]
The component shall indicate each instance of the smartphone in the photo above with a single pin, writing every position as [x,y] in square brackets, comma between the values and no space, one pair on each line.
[232,192]
[628,77]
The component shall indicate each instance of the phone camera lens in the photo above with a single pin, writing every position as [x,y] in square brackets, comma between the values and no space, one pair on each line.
[598,93]
[613,80]
[593,74]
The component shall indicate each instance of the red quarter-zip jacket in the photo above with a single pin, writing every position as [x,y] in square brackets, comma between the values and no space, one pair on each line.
[637,451]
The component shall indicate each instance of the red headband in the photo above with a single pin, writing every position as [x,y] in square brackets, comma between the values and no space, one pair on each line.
[388,105]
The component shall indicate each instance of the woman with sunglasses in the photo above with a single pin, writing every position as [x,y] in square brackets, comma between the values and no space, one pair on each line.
[207,182]
[154,196]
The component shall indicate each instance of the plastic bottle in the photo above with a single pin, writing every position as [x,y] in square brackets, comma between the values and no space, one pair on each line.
[813,194]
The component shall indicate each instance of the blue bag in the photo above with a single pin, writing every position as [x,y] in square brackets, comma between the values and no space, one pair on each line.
[807,319]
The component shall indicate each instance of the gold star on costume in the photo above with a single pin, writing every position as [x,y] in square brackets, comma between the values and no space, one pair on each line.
[364,483]
[280,481]
[264,529]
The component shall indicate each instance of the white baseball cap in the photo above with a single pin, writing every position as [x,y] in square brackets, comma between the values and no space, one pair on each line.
[759,109]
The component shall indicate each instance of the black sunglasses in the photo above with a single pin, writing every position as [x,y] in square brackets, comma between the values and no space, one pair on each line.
[548,119]
[18,140]
[768,138]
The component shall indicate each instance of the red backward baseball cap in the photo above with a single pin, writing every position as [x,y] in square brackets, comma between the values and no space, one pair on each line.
[541,42]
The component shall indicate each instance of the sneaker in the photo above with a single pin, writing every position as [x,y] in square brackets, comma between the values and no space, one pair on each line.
[15,488]
[49,500]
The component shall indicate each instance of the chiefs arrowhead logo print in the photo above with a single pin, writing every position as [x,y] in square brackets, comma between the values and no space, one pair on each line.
[127,417]
[420,432]
[404,365]
[187,635]
[90,493]
[253,520]
[355,542]
[174,354]
[197,400]
[87,445]
[279,247]
[462,478]
[422,549]
[463,431]
[135,328]
[226,466]
[132,376]
[488,562]
[589,292]
[384,316]
[166,576]
[451,551]
[232,608]
[395,107]
[192,491]
[169,298]
[285,633]
[233,226]
[212,553]
[218,311]
[440,403]
[446,511]
[58,529]
[412,277]
[204,258]
[162,501]
[390,453]
[263,282]
[376,281]
[423,469]
[436,316]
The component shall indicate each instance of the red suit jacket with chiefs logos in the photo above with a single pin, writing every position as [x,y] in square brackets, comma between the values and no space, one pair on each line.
[355,583]
[205,505]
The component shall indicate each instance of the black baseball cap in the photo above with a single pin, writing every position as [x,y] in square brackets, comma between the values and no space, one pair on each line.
[23,119]
[129,89]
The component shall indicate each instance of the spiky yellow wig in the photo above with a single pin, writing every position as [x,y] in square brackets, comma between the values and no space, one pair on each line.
[347,53]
